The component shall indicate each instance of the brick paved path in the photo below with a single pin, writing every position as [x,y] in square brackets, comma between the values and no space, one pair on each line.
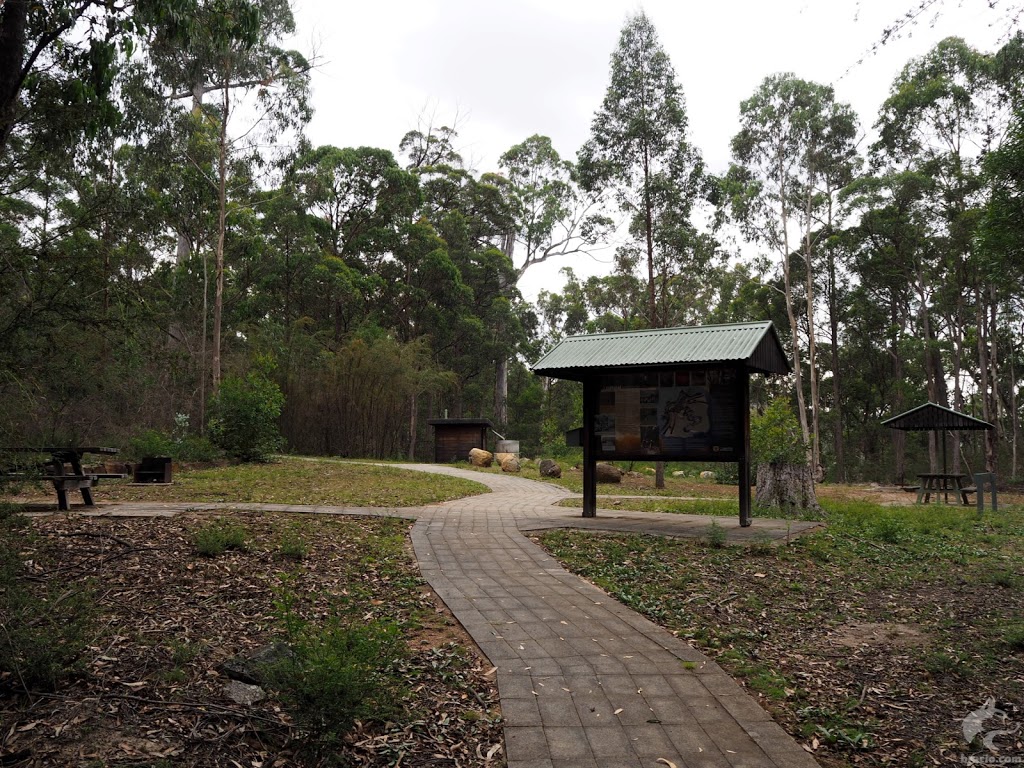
[584,682]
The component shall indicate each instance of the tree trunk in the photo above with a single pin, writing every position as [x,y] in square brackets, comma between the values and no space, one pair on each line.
[791,312]
[1014,418]
[837,426]
[13,33]
[659,474]
[812,348]
[413,404]
[222,209]
[787,487]
[501,394]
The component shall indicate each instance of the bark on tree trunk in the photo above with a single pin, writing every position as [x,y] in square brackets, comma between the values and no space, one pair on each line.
[12,54]
[812,347]
[413,402]
[659,474]
[788,487]
[791,314]
[222,208]
[501,394]
[837,426]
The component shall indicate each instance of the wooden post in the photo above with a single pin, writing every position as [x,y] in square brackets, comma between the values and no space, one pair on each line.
[743,418]
[590,402]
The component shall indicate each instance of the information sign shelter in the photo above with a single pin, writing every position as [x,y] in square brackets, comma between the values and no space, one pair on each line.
[667,394]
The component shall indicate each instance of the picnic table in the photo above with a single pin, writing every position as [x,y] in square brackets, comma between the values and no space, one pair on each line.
[64,470]
[943,484]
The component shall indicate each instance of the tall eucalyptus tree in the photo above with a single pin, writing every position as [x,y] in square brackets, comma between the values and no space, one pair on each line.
[640,152]
[945,111]
[792,153]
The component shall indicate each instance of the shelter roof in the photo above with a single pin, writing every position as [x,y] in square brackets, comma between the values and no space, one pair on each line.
[933,417]
[754,344]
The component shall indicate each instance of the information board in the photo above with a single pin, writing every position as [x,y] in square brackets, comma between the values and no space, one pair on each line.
[689,414]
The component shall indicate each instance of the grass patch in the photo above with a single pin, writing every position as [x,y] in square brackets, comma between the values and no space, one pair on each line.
[336,673]
[300,481]
[292,544]
[220,536]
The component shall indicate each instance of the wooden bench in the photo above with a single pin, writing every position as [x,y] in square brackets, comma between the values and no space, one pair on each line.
[55,470]
[64,483]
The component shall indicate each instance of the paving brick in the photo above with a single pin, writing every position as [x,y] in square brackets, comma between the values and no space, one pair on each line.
[568,744]
[525,743]
[609,742]
[558,711]
[649,740]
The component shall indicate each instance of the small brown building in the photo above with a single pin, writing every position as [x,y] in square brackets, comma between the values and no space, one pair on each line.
[454,438]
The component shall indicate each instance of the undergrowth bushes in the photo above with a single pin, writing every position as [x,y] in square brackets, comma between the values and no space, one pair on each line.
[337,672]
[45,624]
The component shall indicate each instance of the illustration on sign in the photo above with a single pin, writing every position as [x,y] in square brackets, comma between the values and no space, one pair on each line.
[685,412]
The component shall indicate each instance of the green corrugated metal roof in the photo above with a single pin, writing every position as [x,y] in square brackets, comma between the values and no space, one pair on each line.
[755,344]
[932,416]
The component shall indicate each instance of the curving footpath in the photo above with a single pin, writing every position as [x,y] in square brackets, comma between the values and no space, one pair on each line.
[584,682]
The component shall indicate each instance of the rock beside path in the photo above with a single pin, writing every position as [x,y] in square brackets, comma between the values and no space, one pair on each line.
[478,457]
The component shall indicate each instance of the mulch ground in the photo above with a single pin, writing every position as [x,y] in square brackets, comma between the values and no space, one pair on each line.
[149,689]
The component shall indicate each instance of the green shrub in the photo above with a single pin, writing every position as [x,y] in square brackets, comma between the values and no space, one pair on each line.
[218,537]
[727,474]
[245,413]
[715,535]
[336,674]
[775,436]
[1014,636]
[292,545]
[153,442]
[196,448]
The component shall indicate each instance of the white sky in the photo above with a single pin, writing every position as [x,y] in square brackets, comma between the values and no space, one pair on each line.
[503,71]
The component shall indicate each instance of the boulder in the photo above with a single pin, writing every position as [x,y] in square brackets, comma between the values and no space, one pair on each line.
[251,668]
[499,457]
[607,473]
[550,468]
[478,457]
[243,693]
[510,463]
[707,475]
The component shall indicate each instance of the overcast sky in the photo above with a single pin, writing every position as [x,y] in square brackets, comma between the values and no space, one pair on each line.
[503,71]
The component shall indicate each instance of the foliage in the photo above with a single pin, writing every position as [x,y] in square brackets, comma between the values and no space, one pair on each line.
[244,417]
[45,625]
[639,151]
[154,442]
[335,674]
[161,219]
[775,435]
